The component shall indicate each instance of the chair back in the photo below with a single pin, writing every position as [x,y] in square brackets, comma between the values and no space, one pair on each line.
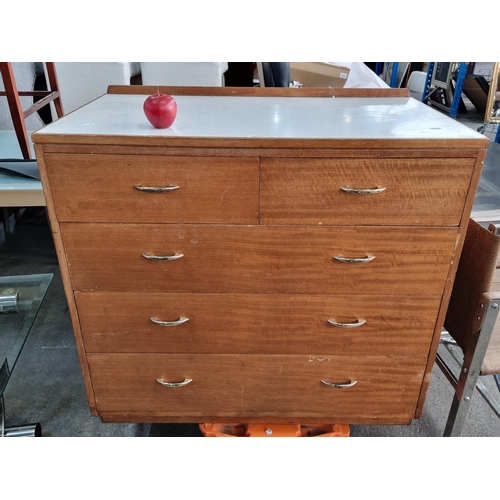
[475,273]
[416,84]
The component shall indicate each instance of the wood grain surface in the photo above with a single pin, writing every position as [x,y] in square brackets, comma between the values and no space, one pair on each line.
[259,91]
[257,323]
[308,191]
[100,188]
[263,259]
[253,387]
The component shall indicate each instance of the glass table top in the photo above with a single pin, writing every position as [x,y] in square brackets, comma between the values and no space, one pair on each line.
[20,301]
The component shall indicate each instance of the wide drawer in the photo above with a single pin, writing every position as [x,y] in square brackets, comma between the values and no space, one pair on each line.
[264,259]
[420,191]
[101,188]
[259,388]
[256,323]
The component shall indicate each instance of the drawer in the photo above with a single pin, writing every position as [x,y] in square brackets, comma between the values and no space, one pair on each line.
[264,259]
[256,323]
[259,388]
[428,192]
[100,188]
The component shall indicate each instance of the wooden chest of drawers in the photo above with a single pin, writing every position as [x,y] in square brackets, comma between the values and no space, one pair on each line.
[281,260]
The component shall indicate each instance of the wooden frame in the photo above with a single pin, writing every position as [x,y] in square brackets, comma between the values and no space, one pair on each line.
[491,95]
[258,91]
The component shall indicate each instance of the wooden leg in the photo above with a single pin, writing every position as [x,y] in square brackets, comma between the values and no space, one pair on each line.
[54,86]
[16,110]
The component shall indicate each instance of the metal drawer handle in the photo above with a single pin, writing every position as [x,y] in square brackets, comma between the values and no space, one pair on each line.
[351,383]
[152,189]
[186,381]
[176,322]
[167,258]
[358,322]
[368,258]
[374,190]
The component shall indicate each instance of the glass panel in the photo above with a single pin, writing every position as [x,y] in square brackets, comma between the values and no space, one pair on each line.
[20,301]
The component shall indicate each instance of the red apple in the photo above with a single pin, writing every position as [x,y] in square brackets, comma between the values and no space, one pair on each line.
[160,110]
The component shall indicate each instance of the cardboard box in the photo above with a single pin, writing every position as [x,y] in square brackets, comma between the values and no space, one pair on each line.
[484,69]
[475,92]
[318,74]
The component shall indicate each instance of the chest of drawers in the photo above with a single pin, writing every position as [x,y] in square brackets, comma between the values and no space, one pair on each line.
[281,260]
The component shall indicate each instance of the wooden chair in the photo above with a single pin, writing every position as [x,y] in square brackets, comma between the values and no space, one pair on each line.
[18,192]
[471,323]
[18,115]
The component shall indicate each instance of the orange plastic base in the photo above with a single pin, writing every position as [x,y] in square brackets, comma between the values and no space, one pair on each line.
[274,430]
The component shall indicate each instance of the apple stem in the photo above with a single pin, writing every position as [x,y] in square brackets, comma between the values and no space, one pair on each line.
[158,90]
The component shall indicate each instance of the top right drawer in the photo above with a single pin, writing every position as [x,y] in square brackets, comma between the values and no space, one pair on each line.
[346,191]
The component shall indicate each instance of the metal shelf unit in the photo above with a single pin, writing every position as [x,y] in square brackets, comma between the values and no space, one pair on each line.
[457,91]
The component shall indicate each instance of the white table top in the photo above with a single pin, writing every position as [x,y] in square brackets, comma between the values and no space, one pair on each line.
[13,183]
[20,192]
[232,117]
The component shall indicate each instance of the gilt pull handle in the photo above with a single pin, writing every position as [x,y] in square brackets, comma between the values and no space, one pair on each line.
[375,190]
[186,381]
[166,258]
[176,322]
[351,260]
[355,324]
[154,189]
[351,383]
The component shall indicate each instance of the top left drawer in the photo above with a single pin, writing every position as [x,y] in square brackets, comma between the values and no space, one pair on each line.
[135,188]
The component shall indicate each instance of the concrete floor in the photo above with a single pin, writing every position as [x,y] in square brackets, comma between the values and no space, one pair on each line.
[47,384]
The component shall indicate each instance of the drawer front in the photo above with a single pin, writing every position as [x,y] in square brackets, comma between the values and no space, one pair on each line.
[225,259]
[258,388]
[427,192]
[100,188]
[256,323]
